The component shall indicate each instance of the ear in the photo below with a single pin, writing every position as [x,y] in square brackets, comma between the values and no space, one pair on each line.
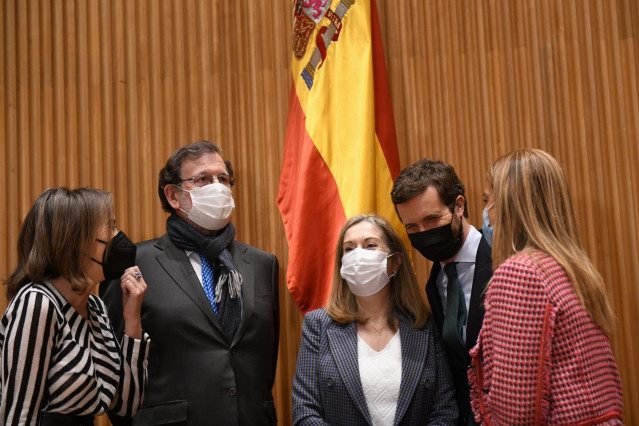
[170,192]
[397,261]
[460,202]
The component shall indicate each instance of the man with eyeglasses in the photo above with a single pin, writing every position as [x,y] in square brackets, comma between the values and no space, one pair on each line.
[211,307]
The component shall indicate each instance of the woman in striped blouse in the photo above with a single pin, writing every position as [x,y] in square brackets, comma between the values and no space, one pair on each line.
[61,363]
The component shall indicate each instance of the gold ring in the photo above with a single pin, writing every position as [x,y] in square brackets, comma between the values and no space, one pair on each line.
[137,275]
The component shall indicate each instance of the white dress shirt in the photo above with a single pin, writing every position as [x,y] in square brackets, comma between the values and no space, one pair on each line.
[465,260]
[196,263]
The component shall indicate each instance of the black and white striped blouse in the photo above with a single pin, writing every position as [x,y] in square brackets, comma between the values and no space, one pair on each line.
[54,360]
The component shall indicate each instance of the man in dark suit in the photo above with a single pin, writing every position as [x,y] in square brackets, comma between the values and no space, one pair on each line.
[429,199]
[211,307]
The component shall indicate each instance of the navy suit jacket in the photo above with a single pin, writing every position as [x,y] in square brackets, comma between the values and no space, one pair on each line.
[459,362]
[196,376]
[327,388]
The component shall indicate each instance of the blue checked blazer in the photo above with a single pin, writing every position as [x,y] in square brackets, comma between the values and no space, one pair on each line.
[327,388]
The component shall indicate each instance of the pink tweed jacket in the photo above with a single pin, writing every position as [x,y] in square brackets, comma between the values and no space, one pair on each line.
[540,359]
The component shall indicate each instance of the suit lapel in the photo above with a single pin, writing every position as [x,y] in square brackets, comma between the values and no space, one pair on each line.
[244,265]
[483,274]
[178,267]
[343,345]
[434,299]
[414,348]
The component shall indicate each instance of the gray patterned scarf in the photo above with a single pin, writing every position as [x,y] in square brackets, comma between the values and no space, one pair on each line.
[228,287]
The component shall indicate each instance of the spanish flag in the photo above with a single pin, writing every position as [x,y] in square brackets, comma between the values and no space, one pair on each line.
[340,154]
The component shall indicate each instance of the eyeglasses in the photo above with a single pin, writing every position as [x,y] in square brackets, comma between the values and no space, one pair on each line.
[204,180]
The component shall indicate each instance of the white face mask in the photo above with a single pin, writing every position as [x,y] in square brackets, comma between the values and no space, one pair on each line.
[211,206]
[365,271]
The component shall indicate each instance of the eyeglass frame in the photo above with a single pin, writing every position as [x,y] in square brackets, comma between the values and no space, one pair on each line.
[212,179]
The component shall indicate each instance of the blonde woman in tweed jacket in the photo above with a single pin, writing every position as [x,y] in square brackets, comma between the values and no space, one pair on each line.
[372,357]
[543,354]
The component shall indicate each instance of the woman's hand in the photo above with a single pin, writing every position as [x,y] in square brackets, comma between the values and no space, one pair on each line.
[133,289]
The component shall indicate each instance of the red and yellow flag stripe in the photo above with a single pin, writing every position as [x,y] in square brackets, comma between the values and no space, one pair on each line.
[340,156]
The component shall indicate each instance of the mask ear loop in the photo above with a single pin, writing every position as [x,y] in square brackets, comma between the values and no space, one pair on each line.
[188,192]
[106,246]
[395,273]
[461,228]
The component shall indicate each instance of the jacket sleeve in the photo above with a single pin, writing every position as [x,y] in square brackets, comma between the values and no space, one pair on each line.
[515,345]
[133,375]
[275,274]
[29,337]
[133,359]
[307,406]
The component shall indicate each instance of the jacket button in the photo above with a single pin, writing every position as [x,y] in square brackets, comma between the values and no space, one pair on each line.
[330,382]
[232,391]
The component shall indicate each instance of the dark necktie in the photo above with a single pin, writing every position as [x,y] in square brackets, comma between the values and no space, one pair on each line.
[455,317]
[207,281]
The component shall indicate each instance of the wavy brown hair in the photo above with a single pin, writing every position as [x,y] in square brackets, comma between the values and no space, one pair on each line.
[57,234]
[419,176]
[407,296]
[534,211]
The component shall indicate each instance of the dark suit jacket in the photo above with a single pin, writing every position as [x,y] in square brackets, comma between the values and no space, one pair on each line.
[327,388]
[459,362]
[196,376]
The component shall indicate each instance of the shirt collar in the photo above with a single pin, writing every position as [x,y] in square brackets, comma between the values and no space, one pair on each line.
[468,252]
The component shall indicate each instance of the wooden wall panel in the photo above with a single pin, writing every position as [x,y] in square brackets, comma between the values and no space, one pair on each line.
[473,80]
[100,92]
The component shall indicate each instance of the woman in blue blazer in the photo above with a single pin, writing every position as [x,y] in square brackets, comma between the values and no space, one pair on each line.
[372,356]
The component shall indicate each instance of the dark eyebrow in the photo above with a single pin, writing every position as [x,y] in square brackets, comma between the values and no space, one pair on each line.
[365,240]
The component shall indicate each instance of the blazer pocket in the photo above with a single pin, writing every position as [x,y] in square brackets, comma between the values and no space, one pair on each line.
[161,414]
[269,406]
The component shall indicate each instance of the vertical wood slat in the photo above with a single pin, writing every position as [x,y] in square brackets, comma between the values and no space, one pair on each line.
[22,105]
[99,93]
[5,245]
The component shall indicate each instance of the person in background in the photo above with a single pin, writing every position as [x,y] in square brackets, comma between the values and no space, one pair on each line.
[372,355]
[213,306]
[61,363]
[544,354]
[487,214]
[430,201]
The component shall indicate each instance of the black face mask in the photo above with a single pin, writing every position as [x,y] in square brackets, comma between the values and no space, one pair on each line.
[119,255]
[438,244]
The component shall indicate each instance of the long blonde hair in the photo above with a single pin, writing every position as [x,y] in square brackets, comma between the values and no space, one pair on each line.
[534,211]
[407,296]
